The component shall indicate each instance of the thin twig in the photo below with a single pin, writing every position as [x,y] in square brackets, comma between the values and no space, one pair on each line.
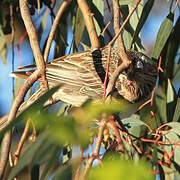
[114,77]
[88,19]
[76,177]
[105,28]
[61,10]
[95,153]
[21,142]
[107,71]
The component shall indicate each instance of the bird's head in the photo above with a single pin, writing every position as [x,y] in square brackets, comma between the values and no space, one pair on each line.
[138,80]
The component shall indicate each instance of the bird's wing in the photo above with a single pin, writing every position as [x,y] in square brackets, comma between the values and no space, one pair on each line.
[82,72]
[78,71]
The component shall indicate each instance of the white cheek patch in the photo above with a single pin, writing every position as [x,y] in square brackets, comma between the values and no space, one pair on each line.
[139,65]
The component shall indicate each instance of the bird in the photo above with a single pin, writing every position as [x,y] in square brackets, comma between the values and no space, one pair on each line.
[82,76]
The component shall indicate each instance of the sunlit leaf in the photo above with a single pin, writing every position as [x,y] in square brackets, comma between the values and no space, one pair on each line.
[163,35]
[174,139]
[79,27]
[176,78]
[176,116]
[65,129]
[3,48]
[121,170]
[175,127]
[93,110]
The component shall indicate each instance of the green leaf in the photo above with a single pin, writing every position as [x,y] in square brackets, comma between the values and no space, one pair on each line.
[173,137]
[63,173]
[93,110]
[79,27]
[146,10]
[171,101]
[172,49]
[66,129]
[133,121]
[175,127]
[3,48]
[160,101]
[163,35]
[54,157]
[176,78]
[176,116]
[28,156]
[119,169]
[134,125]
[130,28]
[154,156]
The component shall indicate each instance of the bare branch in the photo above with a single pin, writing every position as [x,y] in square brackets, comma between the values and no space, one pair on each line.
[33,41]
[88,19]
[61,10]
[21,142]
[116,11]
[125,60]
[95,153]
[12,114]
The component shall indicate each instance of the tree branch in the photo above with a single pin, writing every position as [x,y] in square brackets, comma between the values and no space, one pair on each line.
[31,31]
[61,10]
[5,145]
[95,153]
[125,60]
[88,19]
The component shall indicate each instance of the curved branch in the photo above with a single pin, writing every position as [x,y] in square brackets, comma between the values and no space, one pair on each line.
[125,60]
[5,145]
[31,31]
[95,153]
[88,19]
[61,10]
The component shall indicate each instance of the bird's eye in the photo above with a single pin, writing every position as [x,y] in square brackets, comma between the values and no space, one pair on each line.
[139,65]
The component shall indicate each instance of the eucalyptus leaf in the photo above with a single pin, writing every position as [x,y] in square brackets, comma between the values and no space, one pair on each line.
[133,121]
[175,127]
[79,27]
[3,47]
[171,101]
[176,116]
[172,50]
[163,35]
[121,170]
